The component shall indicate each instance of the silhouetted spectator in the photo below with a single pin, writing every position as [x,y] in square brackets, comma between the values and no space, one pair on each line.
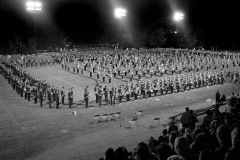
[172,127]
[208,118]
[194,120]
[186,118]
[143,152]
[151,145]
[207,155]
[234,152]
[196,131]
[164,151]
[216,112]
[224,139]
[121,153]
[182,148]
[202,142]
[109,154]
[223,98]
[218,97]
[172,138]
[188,135]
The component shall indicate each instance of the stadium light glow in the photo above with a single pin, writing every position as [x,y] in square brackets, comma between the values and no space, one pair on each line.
[33,6]
[120,12]
[178,16]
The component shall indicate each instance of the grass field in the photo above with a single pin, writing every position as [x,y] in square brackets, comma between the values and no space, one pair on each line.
[28,131]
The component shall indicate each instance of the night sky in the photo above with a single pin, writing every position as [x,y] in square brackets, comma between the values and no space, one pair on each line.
[84,21]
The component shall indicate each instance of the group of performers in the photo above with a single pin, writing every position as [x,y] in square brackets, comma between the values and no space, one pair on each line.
[202,69]
[158,87]
[34,89]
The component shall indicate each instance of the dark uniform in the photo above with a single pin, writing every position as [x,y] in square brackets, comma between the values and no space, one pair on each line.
[100,92]
[57,94]
[62,93]
[41,97]
[70,98]
[86,96]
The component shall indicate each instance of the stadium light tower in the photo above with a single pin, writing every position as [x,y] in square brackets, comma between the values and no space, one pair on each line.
[119,14]
[177,17]
[34,7]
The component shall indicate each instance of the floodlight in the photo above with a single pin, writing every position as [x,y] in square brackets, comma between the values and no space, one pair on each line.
[34,6]
[178,16]
[120,12]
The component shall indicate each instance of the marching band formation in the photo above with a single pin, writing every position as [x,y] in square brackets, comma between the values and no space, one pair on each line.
[163,69]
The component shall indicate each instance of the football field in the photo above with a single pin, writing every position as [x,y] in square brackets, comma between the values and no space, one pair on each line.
[28,131]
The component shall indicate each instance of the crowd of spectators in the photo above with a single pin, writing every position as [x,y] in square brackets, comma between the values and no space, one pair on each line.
[217,137]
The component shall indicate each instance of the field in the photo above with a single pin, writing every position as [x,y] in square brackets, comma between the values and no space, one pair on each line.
[28,131]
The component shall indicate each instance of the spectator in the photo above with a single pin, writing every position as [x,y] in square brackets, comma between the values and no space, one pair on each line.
[109,154]
[194,120]
[164,137]
[121,153]
[172,127]
[182,148]
[188,135]
[164,151]
[232,100]
[186,118]
[223,98]
[151,146]
[229,108]
[196,131]
[143,152]
[218,97]
[207,155]
[234,151]
[216,112]
[172,138]
[208,118]
[202,142]
[224,139]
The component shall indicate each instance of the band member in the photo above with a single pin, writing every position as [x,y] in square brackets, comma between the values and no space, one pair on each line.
[149,89]
[100,93]
[78,67]
[110,78]
[49,95]
[177,86]
[98,75]
[86,96]
[81,71]
[35,94]
[96,93]
[62,93]
[112,96]
[70,97]
[103,77]
[120,94]
[28,91]
[90,74]
[143,88]
[155,90]
[57,94]
[128,93]
[41,97]
[136,89]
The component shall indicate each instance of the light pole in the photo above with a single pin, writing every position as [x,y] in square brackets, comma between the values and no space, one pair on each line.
[34,7]
[119,13]
[177,18]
